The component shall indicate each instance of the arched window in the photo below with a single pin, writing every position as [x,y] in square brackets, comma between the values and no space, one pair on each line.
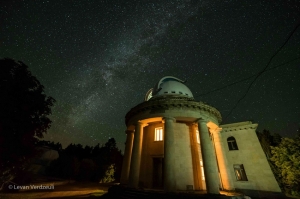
[232,145]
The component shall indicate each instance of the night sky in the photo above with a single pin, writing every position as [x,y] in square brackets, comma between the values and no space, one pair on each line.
[99,58]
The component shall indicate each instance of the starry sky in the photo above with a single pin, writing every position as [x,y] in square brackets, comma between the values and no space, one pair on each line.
[99,58]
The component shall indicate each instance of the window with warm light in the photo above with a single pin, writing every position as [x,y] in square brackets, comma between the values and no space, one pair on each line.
[240,172]
[158,134]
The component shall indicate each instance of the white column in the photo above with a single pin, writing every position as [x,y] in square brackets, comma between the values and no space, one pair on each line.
[169,156]
[209,159]
[195,157]
[134,173]
[127,157]
[222,161]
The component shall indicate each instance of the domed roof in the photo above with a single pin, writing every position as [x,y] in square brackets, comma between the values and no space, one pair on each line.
[169,86]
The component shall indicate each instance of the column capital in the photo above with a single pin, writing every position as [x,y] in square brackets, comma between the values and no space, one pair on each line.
[194,124]
[201,120]
[169,118]
[191,124]
[216,130]
[143,124]
[129,131]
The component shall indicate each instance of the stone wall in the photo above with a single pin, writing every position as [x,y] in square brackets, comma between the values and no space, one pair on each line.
[250,154]
[150,150]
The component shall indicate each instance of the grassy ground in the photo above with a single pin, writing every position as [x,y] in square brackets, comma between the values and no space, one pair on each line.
[70,190]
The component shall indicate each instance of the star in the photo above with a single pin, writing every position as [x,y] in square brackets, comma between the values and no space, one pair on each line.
[98,59]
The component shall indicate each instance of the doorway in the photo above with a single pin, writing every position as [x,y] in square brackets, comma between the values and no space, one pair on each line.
[158,173]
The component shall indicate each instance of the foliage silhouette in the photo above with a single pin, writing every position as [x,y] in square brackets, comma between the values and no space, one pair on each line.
[286,157]
[88,163]
[283,155]
[24,111]
[56,146]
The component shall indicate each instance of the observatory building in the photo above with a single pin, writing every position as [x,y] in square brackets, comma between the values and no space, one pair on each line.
[175,143]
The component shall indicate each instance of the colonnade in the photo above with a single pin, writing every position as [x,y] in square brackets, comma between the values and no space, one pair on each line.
[133,152]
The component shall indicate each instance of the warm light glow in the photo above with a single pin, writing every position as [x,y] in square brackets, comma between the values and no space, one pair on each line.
[221,159]
[238,176]
[240,172]
[202,170]
[197,136]
[158,134]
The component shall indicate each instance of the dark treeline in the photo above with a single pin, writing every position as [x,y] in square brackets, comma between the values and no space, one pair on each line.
[267,140]
[56,146]
[24,119]
[98,163]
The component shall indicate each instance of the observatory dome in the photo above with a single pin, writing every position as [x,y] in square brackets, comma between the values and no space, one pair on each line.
[168,86]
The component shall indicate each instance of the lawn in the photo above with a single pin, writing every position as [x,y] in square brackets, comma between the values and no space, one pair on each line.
[70,190]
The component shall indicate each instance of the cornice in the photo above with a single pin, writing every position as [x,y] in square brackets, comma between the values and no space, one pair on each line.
[239,127]
[167,103]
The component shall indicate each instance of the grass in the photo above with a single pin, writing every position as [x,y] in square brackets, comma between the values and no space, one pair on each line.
[70,190]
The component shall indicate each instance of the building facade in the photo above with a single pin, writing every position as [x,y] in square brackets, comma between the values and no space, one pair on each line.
[176,143]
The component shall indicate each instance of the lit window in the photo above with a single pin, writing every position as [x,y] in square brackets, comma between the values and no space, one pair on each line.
[232,145]
[197,137]
[240,172]
[158,134]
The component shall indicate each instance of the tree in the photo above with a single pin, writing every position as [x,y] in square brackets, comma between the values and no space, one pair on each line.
[65,166]
[111,144]
[267,140]
[88,163]
[86,169]
[52,145]
[109,174]
[286,157]
[24,111]
[113,156]
[87,151]
[276,139]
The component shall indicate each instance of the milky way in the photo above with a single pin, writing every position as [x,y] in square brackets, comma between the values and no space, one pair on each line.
[99,58]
